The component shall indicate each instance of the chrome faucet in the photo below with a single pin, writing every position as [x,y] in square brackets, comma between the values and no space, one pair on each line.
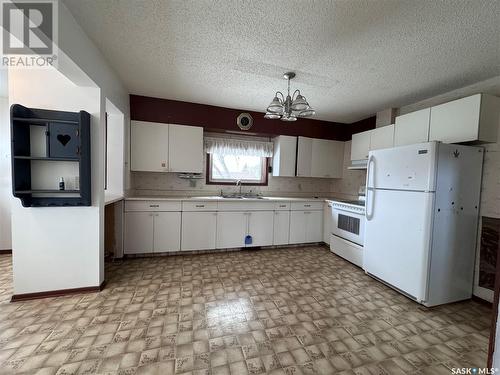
[238,183]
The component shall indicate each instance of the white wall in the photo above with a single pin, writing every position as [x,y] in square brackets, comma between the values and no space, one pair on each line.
[57,247]
[5,170]
[78,48]
[61,248]
[115,150]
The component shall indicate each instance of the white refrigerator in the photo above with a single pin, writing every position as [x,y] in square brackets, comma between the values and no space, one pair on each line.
[422,209]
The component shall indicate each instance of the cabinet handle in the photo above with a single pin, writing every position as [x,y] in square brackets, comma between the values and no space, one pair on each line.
[307,205]
[200,205]
[154,205]
[282,205]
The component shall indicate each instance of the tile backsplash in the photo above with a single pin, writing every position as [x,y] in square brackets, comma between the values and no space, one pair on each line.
[150,184]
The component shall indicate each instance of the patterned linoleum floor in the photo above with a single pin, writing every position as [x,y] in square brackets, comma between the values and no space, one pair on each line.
[279,311]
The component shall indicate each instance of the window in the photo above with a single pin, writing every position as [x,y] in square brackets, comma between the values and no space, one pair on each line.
[227,169]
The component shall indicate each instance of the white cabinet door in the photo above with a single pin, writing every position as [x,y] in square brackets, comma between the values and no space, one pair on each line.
[285,156]
[167,232]
[304,156]
[199,230]
[261,228]
[474,118]
[148,146]
[360,145]
[298,227]
[138,234]
[382,137]
[327,222]
[314,225]
[185,149]
[327,158]
[231,229]
[281,228]
[412,128]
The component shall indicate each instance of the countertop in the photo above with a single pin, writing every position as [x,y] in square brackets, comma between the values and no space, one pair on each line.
[220,199]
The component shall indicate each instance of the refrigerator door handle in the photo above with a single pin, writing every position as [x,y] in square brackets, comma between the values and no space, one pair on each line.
[369,189]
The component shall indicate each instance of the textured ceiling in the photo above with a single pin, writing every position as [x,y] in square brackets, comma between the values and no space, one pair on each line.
[352,58]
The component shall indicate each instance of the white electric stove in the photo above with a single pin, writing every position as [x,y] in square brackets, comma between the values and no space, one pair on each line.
[348,229]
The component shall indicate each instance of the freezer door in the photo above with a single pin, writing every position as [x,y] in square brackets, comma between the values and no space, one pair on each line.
[397,239]
[410,167]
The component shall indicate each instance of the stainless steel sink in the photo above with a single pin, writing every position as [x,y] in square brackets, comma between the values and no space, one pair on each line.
[237,196]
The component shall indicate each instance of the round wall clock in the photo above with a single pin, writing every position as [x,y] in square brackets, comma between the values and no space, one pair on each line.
[244,121]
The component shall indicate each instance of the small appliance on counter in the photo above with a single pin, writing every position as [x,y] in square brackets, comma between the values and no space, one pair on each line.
[348,226]
[422,208]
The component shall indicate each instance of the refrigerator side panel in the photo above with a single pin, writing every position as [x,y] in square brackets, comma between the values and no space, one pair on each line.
[397,240]
[409,167]
[456,213]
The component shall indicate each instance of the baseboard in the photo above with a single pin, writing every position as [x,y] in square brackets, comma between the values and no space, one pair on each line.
[6,251]
[482,301]
[57,293]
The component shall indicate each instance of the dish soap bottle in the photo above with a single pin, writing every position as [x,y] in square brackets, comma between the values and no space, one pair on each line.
[61,184]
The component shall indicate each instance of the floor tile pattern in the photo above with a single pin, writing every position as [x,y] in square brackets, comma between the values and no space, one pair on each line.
[278,311]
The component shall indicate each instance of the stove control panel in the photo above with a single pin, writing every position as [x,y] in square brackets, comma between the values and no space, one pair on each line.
[348,207]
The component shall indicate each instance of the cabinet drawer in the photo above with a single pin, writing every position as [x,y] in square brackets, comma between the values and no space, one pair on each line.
[152,205]
[282,206]
[199,206]
[314,205]
[246,206]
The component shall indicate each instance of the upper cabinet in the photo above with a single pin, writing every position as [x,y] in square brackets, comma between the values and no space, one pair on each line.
[382,137]
[185,148]
[148,146]
[474,118]
[375,139]
[360,145]
[158,147]
[304,156]
[412,128]
[319,158]
[285,156]
[327,158]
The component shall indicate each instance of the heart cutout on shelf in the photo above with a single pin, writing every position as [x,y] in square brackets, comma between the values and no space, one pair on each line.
[64,139]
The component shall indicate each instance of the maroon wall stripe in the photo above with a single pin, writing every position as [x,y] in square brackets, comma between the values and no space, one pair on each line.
[212,118]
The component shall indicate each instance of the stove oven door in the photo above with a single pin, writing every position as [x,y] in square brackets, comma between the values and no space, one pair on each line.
[348,225]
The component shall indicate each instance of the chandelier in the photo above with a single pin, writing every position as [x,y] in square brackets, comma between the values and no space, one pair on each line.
[291,107]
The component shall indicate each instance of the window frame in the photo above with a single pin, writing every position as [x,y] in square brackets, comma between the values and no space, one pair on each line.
[211,181]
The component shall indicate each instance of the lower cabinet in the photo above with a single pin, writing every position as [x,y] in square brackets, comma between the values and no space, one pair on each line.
[260,227]
[157,227]
[306,226]
[199,230]
[281,228]
[327,222]
[167,232]
[138,233]
[147,232]
[231,229]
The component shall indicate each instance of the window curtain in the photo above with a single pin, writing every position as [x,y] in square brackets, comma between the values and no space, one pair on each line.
[229,146]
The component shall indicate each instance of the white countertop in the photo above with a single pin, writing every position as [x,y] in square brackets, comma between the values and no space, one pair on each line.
[112,198]
[220,199]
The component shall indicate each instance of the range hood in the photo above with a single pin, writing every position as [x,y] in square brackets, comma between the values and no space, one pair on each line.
[358,164]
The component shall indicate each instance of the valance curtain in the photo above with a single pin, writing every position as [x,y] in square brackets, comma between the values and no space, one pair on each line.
[229,146]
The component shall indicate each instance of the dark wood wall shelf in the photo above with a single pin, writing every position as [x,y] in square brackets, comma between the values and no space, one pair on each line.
[62,137]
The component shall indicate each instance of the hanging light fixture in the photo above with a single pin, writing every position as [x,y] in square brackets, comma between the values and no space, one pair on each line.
[291,107]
